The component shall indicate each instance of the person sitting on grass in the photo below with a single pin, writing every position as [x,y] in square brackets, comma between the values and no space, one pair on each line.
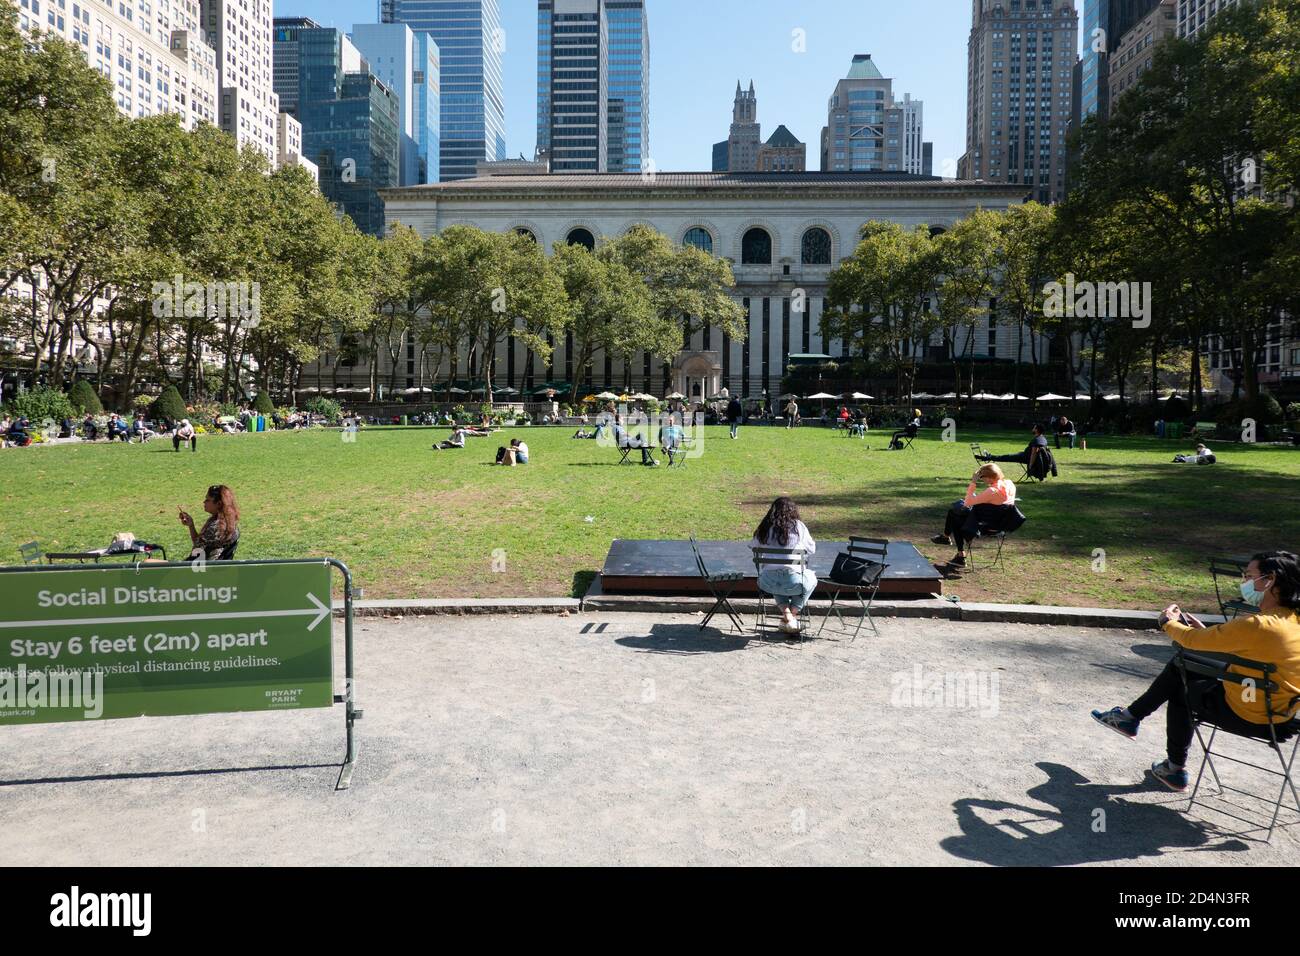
[1065,429]
[910,430]
[220,532]
[1202,456]
[781,527]
[1271,582]
[457,440]
[89,430]
[989,507]
[515,454]
[185,432]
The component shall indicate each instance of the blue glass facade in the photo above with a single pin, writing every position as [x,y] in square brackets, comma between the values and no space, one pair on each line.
[593,93]
[1095,22]
[350,120]
[628,96]
[407,63]
[470,43]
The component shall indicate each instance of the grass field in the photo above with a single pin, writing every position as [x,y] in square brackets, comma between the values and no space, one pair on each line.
[411,522]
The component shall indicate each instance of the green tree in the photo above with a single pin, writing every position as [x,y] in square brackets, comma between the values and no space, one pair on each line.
[83,398]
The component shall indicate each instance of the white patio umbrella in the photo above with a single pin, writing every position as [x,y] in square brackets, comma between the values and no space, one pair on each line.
[457,391]
[1053,397]
[947,395]
[822,396]
[506,391]
[607,397]
[921,395]
[1013,397]
[674,397]
[1111,398]
[861,397]
[786,397]
[1083,397]
[986,397]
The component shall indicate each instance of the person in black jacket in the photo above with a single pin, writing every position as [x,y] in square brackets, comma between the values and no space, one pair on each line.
[1036,458]
[735,415]
[1065,429]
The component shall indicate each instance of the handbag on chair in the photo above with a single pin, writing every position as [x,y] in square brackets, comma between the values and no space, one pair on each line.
[853,571]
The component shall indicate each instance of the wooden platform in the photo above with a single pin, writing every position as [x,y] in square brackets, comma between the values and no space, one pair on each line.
[668,567]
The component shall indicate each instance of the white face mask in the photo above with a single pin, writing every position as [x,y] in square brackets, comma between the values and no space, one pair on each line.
[1251,594]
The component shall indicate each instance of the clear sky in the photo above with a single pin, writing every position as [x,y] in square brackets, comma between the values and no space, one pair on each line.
[700,48]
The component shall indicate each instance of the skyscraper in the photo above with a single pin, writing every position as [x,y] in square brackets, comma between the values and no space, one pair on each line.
[867,129]
[1105,22]
[407,63]
[1020,64]
[593,95]
[628,96]
[1193,15]
[574,127]
[240,33]
[470,44]
[350,120]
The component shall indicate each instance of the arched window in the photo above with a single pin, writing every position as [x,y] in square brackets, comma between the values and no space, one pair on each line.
[582,237]
[700,238]
[756,248]
[816,247]
[527,233]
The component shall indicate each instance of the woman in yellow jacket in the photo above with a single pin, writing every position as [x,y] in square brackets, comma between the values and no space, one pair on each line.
[1271,582]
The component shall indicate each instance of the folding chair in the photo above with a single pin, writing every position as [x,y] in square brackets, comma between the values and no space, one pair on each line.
[1258,677]
[624,449]
[677,454]
[31,552]
[720,585]
[872,550]
[1230,568]
[778,558]
[996,561]
[978,451]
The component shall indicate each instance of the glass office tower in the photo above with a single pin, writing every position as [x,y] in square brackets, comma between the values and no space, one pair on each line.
[628,95]
[350,120]
[470,43]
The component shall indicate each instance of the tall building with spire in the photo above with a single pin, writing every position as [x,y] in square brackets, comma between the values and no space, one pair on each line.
[744,151]
[1019,94]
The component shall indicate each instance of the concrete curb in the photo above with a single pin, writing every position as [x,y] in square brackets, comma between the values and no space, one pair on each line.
[457,607]
[647,604]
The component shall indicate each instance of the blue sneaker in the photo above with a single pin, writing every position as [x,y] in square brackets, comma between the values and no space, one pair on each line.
[1175,778]
[1116,721]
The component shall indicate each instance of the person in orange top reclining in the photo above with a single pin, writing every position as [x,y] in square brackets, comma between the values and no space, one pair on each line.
[977,508]
[1271,582]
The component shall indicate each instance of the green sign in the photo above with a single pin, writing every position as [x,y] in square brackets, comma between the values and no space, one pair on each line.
[143,640]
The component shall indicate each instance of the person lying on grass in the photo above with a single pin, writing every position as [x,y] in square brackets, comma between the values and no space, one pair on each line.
[1202,456]
[978,507]
[1271,582]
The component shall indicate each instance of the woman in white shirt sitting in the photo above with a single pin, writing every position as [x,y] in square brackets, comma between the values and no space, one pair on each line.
[790,586]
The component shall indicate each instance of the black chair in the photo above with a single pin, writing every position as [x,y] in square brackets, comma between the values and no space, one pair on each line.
[677,454]
[873,551]
[1232,569]
[31,552]
[1256,675]
[720,586]
[1009,522]
[978,451]
[778,558]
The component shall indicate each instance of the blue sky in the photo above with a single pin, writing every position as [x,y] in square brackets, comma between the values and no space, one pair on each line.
[699,48]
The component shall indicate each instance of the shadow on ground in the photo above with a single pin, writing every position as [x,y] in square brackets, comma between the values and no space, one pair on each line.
[1081,822]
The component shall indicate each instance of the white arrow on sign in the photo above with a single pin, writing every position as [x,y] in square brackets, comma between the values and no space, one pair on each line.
[321,611]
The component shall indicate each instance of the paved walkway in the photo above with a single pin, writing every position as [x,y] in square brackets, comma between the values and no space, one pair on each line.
[623,739]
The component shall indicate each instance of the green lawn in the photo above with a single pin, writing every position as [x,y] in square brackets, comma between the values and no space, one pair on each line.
[411,522]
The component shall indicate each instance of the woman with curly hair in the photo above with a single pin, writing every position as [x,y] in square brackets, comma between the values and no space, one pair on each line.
[791,587]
